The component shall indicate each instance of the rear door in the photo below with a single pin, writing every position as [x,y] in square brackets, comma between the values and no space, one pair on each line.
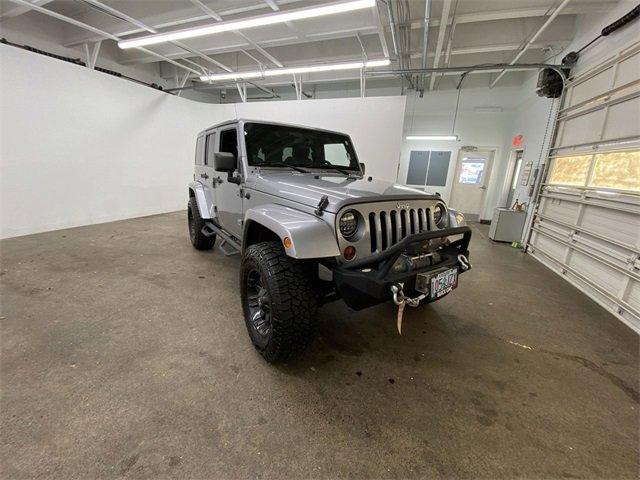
[205,172]
[228,195]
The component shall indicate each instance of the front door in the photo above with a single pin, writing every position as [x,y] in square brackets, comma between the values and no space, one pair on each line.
[471,181]
[228,194]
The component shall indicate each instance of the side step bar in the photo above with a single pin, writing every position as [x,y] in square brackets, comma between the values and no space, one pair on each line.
[211,228]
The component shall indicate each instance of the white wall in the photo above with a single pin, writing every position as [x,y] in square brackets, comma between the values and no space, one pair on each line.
[79,147]
[434,113]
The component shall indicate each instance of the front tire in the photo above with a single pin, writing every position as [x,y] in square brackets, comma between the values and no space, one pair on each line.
[198,239]
[278,301]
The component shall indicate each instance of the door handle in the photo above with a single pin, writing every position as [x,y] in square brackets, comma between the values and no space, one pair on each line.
[483,187]
[204,175]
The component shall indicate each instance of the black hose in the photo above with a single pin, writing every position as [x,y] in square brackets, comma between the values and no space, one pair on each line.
[621,22]
[612,27]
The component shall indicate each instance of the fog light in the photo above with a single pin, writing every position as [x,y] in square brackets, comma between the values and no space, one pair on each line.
[349,252]
[287,242]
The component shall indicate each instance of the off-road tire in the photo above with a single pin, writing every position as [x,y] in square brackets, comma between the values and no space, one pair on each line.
[293,303]
[195,223]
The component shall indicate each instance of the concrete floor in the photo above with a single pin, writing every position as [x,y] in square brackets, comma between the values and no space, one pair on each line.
[124,354]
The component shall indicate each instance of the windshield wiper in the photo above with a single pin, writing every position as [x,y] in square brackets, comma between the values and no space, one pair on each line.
[330,166]
[275,164]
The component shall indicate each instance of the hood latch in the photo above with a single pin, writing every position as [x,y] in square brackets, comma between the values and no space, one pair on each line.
[322,204]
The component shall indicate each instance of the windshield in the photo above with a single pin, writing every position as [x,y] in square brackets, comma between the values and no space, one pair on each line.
[279,145]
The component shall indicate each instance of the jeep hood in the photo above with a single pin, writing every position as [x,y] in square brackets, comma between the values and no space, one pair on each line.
[309,188]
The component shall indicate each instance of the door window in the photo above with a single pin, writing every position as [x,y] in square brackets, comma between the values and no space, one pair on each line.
[472,171]
[229,141]
[211,145]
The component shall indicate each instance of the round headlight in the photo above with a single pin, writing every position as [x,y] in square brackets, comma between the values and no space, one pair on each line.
[440,215]
[348,224]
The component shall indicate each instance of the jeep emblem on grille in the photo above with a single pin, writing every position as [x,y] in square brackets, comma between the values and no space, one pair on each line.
[402,206]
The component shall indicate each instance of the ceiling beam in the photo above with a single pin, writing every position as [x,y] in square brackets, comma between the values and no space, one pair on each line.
[257,47]
[533,38]
[149,29]
[381,32]
[102,34]
[172,19]
[425,41]
[274,6]
[516,13]
[19,10]
[444,21]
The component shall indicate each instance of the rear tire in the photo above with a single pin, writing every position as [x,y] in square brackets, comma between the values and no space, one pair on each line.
[198,239]
[278,301]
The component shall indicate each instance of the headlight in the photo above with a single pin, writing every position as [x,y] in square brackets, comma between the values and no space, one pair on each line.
[440,215]
[348,224]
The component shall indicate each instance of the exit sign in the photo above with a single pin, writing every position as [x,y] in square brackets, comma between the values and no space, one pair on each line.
[516,141]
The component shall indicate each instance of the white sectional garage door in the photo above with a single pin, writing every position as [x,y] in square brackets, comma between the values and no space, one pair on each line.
[587,223]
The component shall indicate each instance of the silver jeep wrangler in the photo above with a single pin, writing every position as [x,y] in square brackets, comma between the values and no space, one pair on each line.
[313,228]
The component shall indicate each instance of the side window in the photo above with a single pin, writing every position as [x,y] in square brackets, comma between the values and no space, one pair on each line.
[286,153]
[336,154]
[229,141]
[199,150]
[211,145]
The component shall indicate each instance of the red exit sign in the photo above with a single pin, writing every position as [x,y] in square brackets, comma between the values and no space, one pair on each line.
[516,141]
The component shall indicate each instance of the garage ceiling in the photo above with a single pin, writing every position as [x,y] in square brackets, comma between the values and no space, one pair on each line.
[459,32]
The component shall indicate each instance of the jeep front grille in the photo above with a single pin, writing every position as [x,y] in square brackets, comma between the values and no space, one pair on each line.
[386,228]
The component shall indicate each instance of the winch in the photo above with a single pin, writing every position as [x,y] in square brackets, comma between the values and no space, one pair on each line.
[401,300]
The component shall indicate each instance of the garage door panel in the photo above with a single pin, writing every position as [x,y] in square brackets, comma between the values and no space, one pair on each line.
[628,70]
[550,246]
[579,130]
[559,209]
[586,222]
[623,120]
[596,85]
[633,295]
[609,278]
[612,224]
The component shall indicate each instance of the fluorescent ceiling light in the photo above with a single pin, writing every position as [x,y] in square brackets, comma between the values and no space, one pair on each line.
[293,70]
[432,137]
[259,21]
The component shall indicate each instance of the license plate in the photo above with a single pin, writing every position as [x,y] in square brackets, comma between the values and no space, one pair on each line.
[439,283]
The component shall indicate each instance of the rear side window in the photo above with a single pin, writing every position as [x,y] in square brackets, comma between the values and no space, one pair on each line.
[211,145]
[229,141]
[199,150]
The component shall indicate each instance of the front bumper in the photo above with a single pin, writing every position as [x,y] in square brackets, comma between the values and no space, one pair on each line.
[367,282]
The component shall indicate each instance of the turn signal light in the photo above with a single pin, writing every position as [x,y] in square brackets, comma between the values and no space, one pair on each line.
[349,252]
[286,241]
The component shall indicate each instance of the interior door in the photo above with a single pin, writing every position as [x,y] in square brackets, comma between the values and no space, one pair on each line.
[471,181]
[228,194]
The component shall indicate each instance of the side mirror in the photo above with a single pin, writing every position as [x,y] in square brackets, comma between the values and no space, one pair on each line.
[362,167]
[224,162]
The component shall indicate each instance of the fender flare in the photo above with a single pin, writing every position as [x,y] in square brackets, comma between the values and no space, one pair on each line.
[310,236]
[456,218]
[204,201]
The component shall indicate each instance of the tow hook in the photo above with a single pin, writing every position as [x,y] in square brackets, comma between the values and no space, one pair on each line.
[400,300]
[464,262]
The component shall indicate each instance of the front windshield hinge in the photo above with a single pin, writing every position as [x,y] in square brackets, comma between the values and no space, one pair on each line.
[322,204]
